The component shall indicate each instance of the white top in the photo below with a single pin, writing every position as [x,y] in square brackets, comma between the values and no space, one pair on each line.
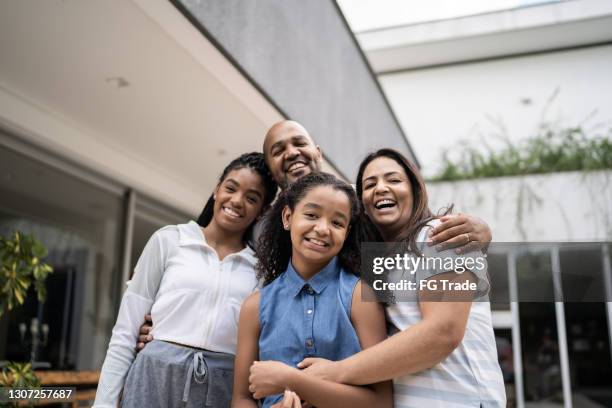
[470,376]
[194,299]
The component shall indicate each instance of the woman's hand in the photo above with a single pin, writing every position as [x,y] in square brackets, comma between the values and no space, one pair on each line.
[269,378]
[464,232]
[321,368]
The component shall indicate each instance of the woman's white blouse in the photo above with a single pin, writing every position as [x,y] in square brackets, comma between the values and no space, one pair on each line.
[193,297]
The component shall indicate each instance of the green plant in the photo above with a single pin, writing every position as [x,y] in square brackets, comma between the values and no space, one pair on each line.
[21,265]
[19,375]
[550,150]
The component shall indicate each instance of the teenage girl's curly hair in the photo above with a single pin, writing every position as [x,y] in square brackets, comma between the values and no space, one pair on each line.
[274,245]
[253,161]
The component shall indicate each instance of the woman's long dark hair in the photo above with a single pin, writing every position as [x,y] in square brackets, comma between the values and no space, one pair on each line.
[274,245]
[421,214]
[254,161]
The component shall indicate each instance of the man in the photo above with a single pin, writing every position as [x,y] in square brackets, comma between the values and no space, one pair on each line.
[291,153]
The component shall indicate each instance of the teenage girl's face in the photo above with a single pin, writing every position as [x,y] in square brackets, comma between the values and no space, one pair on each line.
[238,200]
[318,225]
[387,196]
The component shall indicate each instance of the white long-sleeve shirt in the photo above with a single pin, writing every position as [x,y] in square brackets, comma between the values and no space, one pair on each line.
[193,297]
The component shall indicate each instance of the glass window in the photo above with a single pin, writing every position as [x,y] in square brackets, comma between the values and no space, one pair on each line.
[498,274]
[589,353]
[587,324]
[534,276]
[539,342]
[80,224]
[540,349]
[582,277]
[505,356]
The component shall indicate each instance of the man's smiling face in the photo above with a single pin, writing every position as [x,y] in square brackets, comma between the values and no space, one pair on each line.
[290,152]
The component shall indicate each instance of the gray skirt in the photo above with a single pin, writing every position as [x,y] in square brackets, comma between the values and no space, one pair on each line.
[168,375]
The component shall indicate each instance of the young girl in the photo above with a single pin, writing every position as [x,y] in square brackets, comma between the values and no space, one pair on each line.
[311,301]
[192,278]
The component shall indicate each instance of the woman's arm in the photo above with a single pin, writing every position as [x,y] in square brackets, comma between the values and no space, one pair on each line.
[270,377]
[417,348]
[247,351]
[136,302]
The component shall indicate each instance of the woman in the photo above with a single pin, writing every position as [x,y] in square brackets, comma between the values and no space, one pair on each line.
[441,351]
[192,278]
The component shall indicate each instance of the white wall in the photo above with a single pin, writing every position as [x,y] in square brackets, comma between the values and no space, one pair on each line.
[438,107]
[557,207]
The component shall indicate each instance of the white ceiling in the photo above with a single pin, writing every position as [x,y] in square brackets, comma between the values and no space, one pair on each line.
[185,113]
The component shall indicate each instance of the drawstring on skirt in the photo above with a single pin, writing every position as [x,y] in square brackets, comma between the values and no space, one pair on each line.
[198,369]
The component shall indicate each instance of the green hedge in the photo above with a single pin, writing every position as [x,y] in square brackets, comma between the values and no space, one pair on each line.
[550,151]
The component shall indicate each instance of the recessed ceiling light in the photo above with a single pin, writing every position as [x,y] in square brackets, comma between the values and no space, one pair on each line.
[117,82]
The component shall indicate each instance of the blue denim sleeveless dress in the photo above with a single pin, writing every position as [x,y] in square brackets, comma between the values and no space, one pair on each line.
[300,319]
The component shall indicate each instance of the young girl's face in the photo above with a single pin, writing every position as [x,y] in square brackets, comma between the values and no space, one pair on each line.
[238,200]
[318,224]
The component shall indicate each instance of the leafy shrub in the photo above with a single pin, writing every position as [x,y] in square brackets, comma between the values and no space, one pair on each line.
[20,266]
[567,149]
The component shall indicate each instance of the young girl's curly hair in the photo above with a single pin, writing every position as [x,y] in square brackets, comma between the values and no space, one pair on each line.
[274,245]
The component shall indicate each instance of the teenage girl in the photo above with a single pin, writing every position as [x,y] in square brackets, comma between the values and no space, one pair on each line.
[192,279]
[310,305]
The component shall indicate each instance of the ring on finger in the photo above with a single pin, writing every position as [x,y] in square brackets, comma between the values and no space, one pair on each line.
[467,236]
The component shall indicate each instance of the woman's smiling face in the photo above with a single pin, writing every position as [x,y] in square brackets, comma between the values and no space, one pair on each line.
[318,225]
[238,200]
[387,196]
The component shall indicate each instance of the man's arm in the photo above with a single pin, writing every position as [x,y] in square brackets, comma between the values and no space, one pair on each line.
[464,232]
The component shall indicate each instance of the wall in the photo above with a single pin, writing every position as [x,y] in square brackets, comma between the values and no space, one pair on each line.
[572,206]
[438,107]
[304,57]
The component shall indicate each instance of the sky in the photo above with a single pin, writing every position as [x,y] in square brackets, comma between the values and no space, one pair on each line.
[365,15]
